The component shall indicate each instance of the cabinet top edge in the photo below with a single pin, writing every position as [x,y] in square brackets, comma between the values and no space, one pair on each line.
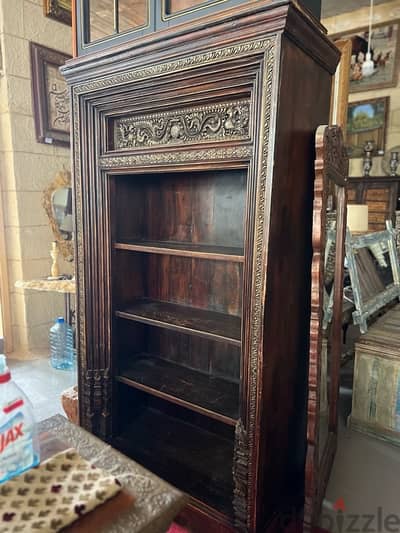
[259,18]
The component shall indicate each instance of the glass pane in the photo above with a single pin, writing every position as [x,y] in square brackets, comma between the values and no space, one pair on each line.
[101,16]
[132,14]
[172,7]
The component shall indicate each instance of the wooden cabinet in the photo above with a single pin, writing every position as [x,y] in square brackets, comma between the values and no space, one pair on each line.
[193,181]
[381,196]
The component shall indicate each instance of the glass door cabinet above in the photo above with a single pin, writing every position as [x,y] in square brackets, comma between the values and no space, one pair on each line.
[101,24]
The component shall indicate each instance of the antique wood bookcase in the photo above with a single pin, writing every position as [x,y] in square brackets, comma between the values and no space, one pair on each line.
[193,182]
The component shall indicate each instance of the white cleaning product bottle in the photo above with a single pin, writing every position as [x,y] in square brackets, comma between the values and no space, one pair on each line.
[19,444]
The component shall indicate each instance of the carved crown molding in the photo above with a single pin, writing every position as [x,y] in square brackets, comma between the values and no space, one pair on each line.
[185,63]
[217,122]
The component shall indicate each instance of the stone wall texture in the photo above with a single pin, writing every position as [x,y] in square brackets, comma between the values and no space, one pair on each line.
[26,169]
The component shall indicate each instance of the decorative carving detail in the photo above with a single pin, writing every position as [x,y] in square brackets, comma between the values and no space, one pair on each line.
[240,475]
[85,413]
[125,161]
[332,151]
[218,122]
[96,395]
[257,301]
[186,63]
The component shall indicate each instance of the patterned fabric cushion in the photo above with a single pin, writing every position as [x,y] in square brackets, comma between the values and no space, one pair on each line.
[54,494]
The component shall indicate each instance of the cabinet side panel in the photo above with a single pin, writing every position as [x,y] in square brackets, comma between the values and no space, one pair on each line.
[304,95]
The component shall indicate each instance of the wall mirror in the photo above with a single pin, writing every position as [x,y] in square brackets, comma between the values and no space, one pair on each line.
[329,222]
[368,256]
[57,202]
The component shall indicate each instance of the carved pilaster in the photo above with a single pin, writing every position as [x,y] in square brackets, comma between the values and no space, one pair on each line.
[240,477]
[85,404]
[96,401]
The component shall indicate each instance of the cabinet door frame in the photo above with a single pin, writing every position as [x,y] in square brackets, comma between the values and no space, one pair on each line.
[81,22]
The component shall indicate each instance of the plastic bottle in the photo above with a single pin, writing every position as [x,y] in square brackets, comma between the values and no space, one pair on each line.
[62,345]
[19,443]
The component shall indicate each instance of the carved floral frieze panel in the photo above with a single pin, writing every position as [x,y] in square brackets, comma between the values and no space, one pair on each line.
[210,123]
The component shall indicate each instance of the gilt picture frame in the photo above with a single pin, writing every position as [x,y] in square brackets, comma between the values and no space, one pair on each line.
[340,87]
[50,96]
[385,51]
[60,10]
[367,121]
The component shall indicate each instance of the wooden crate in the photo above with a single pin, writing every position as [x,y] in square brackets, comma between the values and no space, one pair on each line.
[376,389]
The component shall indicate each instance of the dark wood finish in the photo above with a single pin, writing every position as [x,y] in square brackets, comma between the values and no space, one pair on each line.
[186,455]
[380,193]
[206,324]
[202,251]
[187,302]
[207,394]
[192,208]
[331,164]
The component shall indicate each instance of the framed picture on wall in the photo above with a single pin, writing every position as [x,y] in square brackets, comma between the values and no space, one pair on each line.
[50,95]
[60,10]
[384,53]
[366,121]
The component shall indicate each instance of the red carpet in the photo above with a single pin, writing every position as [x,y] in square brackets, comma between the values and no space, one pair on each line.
[177,529]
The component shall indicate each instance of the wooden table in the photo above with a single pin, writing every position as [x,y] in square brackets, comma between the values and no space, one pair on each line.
[156,503]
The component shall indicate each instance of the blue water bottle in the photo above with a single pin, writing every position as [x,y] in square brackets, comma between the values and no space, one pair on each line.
[62,345]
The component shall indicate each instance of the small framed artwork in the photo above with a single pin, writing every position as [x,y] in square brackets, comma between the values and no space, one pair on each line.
[60,10]
[50,95]
[385,52]
[366,121]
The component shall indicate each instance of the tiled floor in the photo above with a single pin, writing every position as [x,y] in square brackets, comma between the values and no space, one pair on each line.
[42,384]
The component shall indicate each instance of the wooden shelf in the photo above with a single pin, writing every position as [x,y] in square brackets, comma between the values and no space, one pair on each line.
[211,396]
[192,320]
[194,459]
[202,251]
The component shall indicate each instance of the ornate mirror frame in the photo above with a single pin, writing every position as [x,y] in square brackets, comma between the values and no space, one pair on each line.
[62,180]
[383,240]
[331,170]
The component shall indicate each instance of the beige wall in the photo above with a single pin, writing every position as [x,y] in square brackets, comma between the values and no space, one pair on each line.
[26,169]
[356,19]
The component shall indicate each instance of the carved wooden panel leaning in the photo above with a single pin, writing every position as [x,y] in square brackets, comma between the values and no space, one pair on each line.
[331,167]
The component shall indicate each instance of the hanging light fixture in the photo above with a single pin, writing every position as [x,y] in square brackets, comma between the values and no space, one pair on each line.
[368,65]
